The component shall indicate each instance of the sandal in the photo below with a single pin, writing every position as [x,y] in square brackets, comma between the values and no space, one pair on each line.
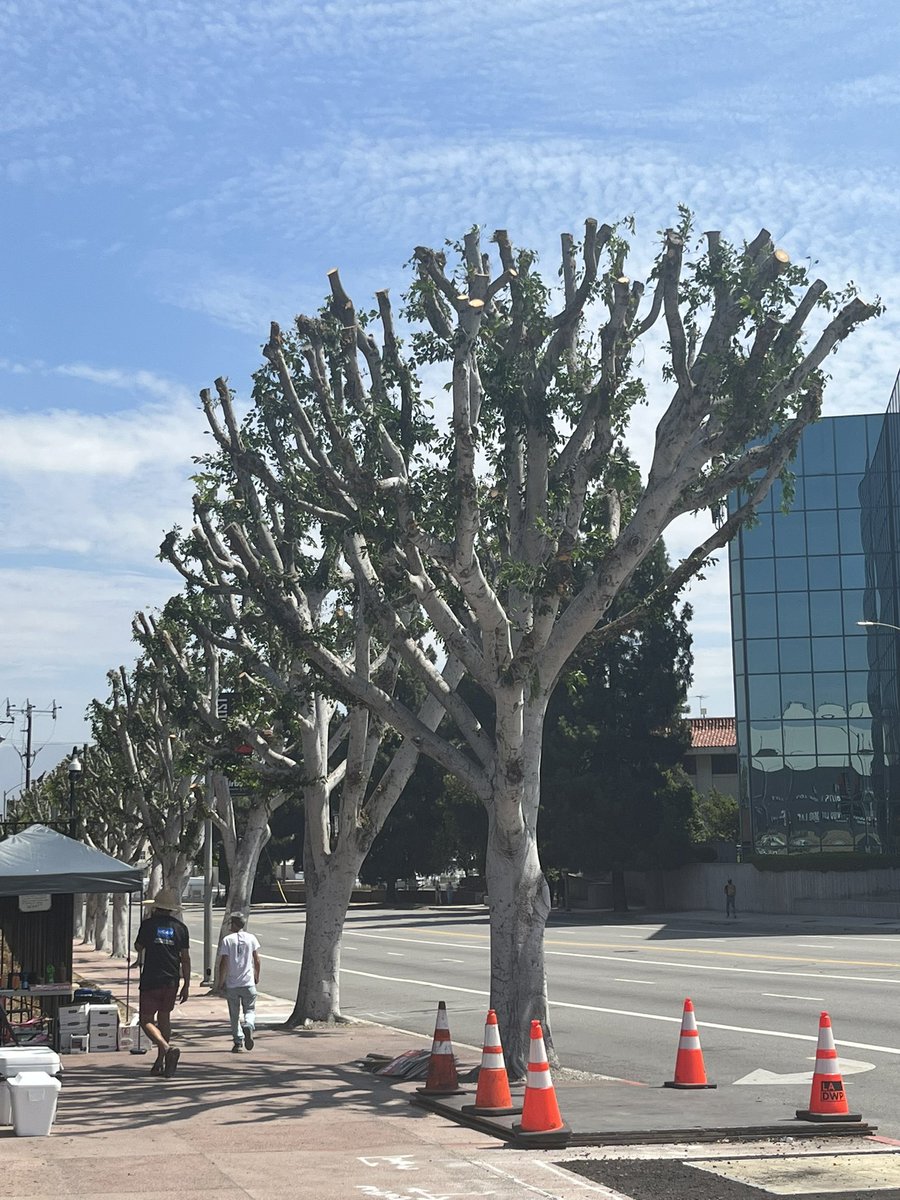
[171,1061]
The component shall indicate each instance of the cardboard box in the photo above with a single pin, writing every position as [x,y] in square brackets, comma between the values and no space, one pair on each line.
[78,1027]
[105,1021]
[72,1012]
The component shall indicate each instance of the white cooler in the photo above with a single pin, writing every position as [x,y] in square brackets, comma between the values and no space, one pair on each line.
[33,1096]
[16,1059]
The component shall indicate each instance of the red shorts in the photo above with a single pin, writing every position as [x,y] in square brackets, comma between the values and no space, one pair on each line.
[157,1000]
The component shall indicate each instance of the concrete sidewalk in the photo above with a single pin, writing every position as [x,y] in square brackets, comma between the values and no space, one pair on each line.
[293,1116]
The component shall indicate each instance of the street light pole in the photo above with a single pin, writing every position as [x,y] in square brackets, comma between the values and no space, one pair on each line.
[75,769]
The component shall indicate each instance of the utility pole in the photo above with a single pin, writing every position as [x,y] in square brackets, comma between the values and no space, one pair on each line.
[28,711]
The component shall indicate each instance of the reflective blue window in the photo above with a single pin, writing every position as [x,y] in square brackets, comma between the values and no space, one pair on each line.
[740,709]
[851,535]
[757,542]
[759,614]
[848,491]
[826,614]
[737,617]
[824,572]
[851,450]
[821,491]
[795,654]
[765,697]
[791,574]
[831,695]
[765,736]
[799,738]
[818,449]
[853,571]
[875,426]
[828,653]
[858,690]
[857,654]
[793,614]
[821,532]
[790,534]
[853,612]
[797,694]
[762,656]
[759,575]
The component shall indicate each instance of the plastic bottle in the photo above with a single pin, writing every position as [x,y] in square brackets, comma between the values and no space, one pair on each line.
[50,973]
[14,980]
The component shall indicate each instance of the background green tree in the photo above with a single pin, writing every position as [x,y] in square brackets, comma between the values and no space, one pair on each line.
[614,796]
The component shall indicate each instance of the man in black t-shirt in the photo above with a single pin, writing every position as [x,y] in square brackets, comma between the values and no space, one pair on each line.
[163,947]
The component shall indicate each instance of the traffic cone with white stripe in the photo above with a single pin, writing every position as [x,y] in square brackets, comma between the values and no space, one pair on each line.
[441,1079]
[540,1112]
[492,1098]
[827,1099]
[689,1069]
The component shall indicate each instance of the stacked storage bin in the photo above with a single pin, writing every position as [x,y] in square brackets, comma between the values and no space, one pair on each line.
[73,1028]
[103,1026]
[16,1059]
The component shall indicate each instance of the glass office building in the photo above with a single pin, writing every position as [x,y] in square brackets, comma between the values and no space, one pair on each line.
[816,693]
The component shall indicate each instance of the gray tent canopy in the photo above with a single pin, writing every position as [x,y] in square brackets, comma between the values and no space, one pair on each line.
[39,860]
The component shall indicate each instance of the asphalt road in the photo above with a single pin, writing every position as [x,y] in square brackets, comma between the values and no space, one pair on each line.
[617,990]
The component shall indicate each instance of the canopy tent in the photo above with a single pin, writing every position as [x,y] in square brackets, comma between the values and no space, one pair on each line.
[39,860]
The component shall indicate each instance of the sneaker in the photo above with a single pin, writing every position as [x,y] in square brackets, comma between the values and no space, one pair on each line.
[237,1047]
[248,1037]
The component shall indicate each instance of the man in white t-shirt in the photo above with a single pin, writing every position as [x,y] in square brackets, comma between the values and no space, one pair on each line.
[237,977]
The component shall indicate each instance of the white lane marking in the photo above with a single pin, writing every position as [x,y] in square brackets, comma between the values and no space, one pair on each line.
[645,962]
[614,1012]
[642,936]
[651,982]
[783,996]
[808,945]
[597,1188]
[453,960]
[624,1012]
[284,939]
[396,954]
[849,1066]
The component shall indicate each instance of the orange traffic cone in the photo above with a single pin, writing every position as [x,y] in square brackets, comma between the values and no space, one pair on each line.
[689,1069]
[441,1079]
[492,1099]
[827,1099]
[540,1112]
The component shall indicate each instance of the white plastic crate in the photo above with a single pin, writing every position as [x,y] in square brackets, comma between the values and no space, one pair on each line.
[74,1043]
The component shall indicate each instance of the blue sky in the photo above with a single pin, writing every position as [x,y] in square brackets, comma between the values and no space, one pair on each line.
[176,174]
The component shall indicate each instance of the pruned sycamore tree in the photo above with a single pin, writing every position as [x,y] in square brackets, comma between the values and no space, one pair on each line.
[502,535]
[159,770]
[303,740]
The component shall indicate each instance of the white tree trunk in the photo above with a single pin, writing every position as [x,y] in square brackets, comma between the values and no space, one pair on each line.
[156,879]
[518,896]
[90,919]
[78,916]
[120,947]
[242,859]
[328,892]
[176,867]
[101,920]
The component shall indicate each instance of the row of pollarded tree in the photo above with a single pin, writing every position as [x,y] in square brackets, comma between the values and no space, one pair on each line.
[356,552]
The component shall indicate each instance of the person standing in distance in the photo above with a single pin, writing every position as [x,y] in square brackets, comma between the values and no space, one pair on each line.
[237,976]
[163,947]
[730,893]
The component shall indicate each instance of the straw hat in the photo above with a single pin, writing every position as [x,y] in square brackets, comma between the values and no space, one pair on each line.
[166,900]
